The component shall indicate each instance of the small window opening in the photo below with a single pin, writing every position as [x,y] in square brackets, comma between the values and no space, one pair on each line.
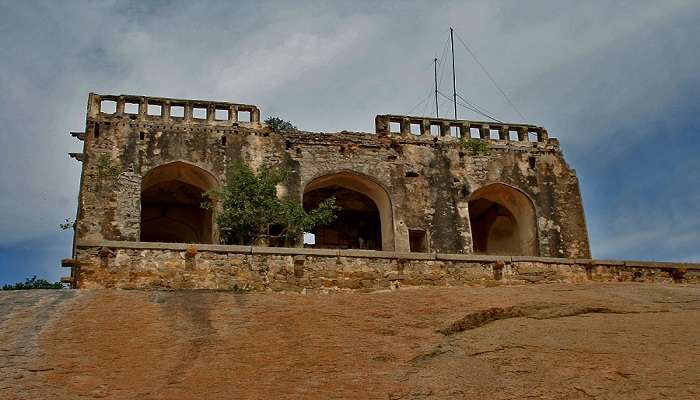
[199,113]
[221,114]
[415,129]
[531,162]
[223,141]
[154,109]
[411,174]
[108,106]
[513,136]
[287,145]
[96,132]
[299,152]
[532,136]
[418,241]
[244,116]
[394,127]
[131,108]
[177,111]
[142,135]
[493,134]
[454,131]
[474,133]
[435,130]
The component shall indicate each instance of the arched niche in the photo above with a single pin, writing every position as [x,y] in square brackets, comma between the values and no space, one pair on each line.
[366,217]
[171,197]
[503,221]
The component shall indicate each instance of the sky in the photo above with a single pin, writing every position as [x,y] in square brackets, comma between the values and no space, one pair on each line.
[616,81]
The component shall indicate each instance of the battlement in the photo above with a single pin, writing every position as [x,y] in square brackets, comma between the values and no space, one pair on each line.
[422,128]
[172,110]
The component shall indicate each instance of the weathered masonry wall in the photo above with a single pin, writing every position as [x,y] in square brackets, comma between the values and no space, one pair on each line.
[421,181]
[132,265]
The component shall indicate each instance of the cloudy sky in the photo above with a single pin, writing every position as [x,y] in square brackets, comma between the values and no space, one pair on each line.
[618,82]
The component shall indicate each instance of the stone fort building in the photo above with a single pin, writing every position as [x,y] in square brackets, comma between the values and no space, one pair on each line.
[410,187]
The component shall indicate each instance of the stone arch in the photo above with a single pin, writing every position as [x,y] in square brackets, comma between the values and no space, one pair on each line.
[171,195]
[503,221]
[361,195]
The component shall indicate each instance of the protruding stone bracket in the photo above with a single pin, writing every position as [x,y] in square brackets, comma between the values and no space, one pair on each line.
[78,156]
[299,265]
[69,263]
[498,270]
[78,135]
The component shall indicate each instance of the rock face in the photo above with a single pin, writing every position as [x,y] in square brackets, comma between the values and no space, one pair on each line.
[622,341]
[145,167]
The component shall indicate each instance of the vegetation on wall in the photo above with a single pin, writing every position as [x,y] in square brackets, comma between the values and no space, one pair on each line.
[106,169]
[33,283]
[474,146]
[252,213]
[279,125]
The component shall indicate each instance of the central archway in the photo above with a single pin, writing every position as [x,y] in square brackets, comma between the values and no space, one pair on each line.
[503,221]
[365,220]
[171,197]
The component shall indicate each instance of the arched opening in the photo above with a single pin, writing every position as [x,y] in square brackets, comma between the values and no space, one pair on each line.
[503,221]
[171,197]
[364,220]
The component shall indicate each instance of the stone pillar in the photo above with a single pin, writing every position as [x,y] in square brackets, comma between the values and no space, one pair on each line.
[211,111]
[165,110]
[381,125]
[445,129]
[233,113]
[143,107]
[405,127]
[93,104]
[542,135]
[120,105]
[503,133]
[522,134]
[255,116]
[464,131]
[188,111]
[425,128]
[484,132]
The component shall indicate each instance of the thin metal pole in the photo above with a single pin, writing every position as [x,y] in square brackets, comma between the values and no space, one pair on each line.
[437,110]
[454,80]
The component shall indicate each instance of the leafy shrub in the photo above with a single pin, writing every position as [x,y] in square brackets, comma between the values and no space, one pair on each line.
[250,207]
[474,146]
[279,125]
[33,283]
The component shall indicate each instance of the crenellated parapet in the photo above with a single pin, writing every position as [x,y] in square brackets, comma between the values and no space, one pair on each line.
[428,128]
[170,110]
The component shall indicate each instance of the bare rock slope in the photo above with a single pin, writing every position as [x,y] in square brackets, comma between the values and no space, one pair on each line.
[596,341]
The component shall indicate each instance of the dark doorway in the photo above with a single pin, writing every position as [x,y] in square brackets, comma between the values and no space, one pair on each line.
[357,225]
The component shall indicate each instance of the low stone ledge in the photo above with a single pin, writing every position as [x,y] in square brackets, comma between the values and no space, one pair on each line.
[368,254]
[660,265]
[608,263]
[544,260]
[415,256]
[471,257]
[294,251]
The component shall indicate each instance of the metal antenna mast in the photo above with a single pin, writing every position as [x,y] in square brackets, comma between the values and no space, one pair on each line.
[454,81]
[437,110]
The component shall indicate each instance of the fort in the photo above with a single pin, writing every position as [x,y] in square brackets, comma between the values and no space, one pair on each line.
[419,205]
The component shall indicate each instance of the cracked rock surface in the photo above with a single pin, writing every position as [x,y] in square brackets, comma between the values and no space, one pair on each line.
[593,341]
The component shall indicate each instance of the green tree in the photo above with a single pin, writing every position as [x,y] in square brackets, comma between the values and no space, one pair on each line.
[250,207]
[33,283]
[279,125]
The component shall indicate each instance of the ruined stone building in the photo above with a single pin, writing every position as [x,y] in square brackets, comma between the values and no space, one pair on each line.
[411,186]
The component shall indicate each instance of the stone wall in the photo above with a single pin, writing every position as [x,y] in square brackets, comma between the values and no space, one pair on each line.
[138,265]
[428,178]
